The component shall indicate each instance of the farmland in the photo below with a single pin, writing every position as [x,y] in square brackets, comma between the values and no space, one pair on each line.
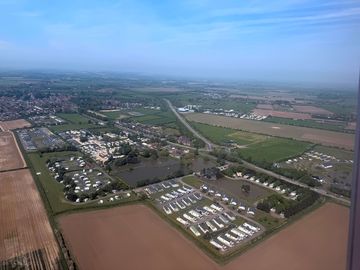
[220,135]
[256,147]
[331,138]
[274,149]
[14,124]
[25,234]
[162,247]
[310,123]
[282,114]
[10,157]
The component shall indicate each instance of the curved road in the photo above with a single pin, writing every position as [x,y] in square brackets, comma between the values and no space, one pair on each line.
[210,146]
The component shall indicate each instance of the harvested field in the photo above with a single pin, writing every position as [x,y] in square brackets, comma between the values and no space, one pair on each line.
[25,233]
[14,124]
[312,110]
[118,237]
[316,242]
[330,138]
[292,115]
[10,156]
[264,106]
[130,237]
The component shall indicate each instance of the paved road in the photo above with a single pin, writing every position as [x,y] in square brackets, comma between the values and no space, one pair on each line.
[209,145]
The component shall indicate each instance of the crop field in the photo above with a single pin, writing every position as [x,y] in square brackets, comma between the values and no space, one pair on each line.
[274,149]
[318,241]
[14,124]
[282,114]
[264,106]
[122,232]
[26,237]
[312,110]
[10,156]
[333,126]
[337,139]
[220,135]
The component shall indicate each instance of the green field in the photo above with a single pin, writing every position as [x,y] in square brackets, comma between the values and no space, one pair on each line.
[308,123]
[157,118]
[220,135]
[115,115]
[192,181]
[336,152]
[74,121]
[54,190]
[274,149]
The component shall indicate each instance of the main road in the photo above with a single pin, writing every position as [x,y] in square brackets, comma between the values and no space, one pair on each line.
[210,146]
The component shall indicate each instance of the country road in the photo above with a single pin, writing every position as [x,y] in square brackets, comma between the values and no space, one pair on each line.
[210,146]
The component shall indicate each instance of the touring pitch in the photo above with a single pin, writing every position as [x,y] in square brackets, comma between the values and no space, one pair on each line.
[26,236]
[330,138]
[134,237]
[14,124]
[10,156]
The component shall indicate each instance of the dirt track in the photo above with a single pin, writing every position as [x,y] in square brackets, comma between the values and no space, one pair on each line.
[134,237]
[14,124]
[330,138]
[10,156]
[24,228]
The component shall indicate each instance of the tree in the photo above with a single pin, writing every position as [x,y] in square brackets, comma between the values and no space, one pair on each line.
[245,188]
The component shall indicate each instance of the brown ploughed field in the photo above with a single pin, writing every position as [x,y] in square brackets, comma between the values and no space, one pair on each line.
[135,237]
[330,138]
[291,115]
[25,232]
[312,110]
[10,156]
[14,124]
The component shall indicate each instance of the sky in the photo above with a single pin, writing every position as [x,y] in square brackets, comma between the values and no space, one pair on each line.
[290,40]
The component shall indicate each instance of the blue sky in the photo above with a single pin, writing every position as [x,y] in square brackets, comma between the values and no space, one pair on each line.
[293,40]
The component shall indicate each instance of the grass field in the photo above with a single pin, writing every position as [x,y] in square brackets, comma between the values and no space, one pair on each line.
[157,118]
[54,190]
[220,135]
[75,121]
[307,123]
[192,181]
[115,115]
[319,136]
[274,149]
[338,153]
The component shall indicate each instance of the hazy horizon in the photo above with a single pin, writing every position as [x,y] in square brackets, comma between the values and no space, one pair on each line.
[296,41]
